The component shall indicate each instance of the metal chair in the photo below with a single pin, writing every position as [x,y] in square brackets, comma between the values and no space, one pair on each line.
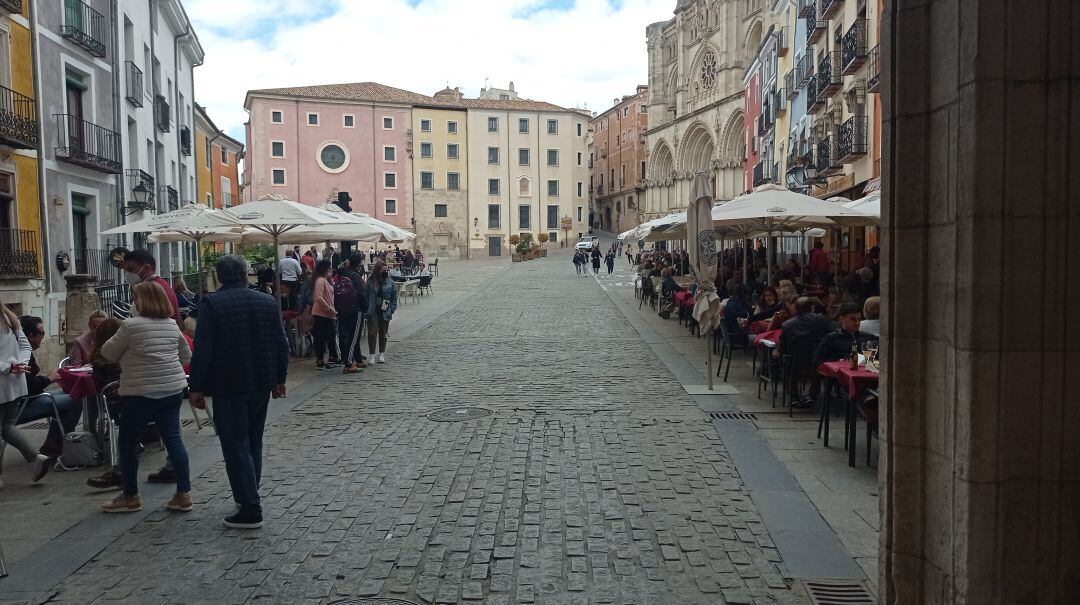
[408,289]
[425,284]
[798,366]
[434,267]
[729,346]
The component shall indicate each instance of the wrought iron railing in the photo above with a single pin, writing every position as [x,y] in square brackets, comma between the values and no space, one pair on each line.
[828,8]
[824,155]
[87,144]
[134,84]
[18,120]
[853,47]
[782,42]
[171,197]
[873,76]
[138,177]
[113,293]
[852,139]
[807,8]
[762,173]
[96,262]
[789,84]
[84,26]
[830,80]
[815,26]
[804,69]
[161,113]
[20,255]
[812,95]
[12,6]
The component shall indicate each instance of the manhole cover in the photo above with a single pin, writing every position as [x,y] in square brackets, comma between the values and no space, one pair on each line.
[373,601]
[458,414]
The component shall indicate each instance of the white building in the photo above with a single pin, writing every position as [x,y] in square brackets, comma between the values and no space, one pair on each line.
[528,173]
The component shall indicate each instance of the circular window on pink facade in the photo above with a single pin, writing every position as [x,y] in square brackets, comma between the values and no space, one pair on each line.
[333,157]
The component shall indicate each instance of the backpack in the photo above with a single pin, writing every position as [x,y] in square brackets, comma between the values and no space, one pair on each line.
[346,299]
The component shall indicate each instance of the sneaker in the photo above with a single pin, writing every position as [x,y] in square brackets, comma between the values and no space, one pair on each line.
[244,520]
[351,369]
[180,502]
[163,475]
[322,366]
[112,479]
[382,358]
[123,504]
[41,467]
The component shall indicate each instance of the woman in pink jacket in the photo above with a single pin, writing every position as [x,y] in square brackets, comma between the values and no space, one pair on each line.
[323,314]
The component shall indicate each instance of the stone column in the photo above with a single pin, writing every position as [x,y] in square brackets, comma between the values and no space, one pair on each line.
[81,301]
[981,425]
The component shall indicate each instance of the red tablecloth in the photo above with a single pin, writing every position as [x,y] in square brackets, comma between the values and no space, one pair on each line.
[855,380]
[683,299]
[78,384]
[759,326]
[773,336]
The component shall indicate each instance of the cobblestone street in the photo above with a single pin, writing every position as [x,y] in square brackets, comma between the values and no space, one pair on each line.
[594,478]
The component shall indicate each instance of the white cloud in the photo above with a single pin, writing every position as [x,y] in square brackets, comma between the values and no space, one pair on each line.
[585,55]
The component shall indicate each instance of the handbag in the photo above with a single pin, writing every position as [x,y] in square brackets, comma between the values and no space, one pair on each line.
[81,450]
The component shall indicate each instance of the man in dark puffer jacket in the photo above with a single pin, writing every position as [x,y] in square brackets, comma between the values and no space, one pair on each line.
[241,357]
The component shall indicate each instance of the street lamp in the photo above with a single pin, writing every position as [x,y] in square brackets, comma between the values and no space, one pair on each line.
[141,194]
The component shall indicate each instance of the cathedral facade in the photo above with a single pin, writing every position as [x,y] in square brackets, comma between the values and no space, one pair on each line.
[696,65]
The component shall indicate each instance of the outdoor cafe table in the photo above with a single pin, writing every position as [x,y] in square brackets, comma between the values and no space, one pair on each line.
[856,382]
[78,383]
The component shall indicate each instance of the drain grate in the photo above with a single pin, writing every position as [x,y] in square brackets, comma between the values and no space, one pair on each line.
[373,601]
[732,416]
[838,593]
[458,414]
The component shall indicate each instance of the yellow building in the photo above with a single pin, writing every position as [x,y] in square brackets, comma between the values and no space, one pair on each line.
[440,178]
[21,252]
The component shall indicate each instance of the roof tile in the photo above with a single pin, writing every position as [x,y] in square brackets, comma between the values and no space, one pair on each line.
[381,93]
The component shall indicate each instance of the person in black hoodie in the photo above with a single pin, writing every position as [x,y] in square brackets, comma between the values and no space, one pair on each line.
[596,260]
[838,345]
[350,314]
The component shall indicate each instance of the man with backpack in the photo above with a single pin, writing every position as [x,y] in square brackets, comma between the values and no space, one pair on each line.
[350,307]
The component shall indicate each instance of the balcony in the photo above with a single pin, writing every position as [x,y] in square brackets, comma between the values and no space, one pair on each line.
[171,197]
[782,42]
[829,8]
[827,161]
[18,120]
[185,140]
[84,26]
[804,69]
[12,6]
[807,8]
[95,262]
[86,144]
[762,174]
[815,101]
[853,48]
[815,26]
[134,84]
[852,139]
[873,77]
[20,255]
[789,84]
[138,177]
[780,100]
[161,113]
[830,80]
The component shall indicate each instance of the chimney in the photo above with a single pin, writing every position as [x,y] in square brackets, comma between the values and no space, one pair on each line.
[511,86]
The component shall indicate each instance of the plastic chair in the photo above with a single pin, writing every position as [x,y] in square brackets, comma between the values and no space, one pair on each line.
[798,366]
[409,289]
[729,346]
[425,284]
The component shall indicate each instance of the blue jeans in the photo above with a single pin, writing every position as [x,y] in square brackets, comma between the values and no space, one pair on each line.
[137,413]
[239,420]
[40,407]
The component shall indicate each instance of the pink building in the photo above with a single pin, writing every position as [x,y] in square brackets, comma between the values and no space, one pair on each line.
[310,142]
[751,113]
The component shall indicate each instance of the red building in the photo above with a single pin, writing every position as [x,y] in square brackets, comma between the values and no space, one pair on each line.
[751,112]
[618,161]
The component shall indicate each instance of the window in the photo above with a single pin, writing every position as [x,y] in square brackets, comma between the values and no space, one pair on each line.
[642,109]
[612,179]
[524,217]
[642,171]
[440,210]
[553,127]
[618,139]
[622,175]
[390,180]
[523,187]
[226,191]
[453,181]
[493,124]
[553,236]
[279,176]
[388,123]
[208,152]
[579,129]
[389,154]
[425,125]
[580,188]
[579,158]
[494,216]
[523,156]
[552,157]
[390,206]
[452,151]
[451,127]
[523,125]
[579,209]
[313,119]
[425,150]
[626,111]
[224,156]
[348,121]
[493,155]
[493,186]
[552,217]
[333,157]
[427,180]
[553,188]
[277,149]
[275,116]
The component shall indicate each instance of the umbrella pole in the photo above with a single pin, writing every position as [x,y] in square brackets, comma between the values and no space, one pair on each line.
[769,257]
[708,357]
[198,263]
[277,275]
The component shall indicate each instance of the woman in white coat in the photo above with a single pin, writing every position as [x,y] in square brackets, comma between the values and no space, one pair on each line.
[14,363]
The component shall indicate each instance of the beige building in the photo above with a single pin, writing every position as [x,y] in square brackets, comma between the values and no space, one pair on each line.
[441,178]
[528,173]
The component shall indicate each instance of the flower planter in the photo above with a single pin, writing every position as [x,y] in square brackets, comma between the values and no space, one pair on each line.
[515,257]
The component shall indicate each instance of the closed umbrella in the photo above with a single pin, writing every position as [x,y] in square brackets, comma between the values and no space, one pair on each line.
[702,250]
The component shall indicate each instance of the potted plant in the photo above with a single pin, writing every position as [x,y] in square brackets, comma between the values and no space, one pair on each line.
[516,255]
[543,237]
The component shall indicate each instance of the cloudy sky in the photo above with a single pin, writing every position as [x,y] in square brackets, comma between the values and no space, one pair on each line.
[575,53]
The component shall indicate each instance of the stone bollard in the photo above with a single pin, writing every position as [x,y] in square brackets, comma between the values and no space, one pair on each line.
[81,302]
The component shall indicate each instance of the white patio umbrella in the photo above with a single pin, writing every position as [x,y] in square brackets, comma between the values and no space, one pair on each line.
[276,215]
[354,227]
[193,222]
[772,208]
[869,205]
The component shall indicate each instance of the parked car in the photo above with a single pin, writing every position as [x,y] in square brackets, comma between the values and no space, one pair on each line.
[588,242]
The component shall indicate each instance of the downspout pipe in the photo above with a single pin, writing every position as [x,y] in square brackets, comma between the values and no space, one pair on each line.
[114,11]
[43,209]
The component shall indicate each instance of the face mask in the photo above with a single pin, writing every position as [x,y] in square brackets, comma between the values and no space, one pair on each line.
[132,278]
